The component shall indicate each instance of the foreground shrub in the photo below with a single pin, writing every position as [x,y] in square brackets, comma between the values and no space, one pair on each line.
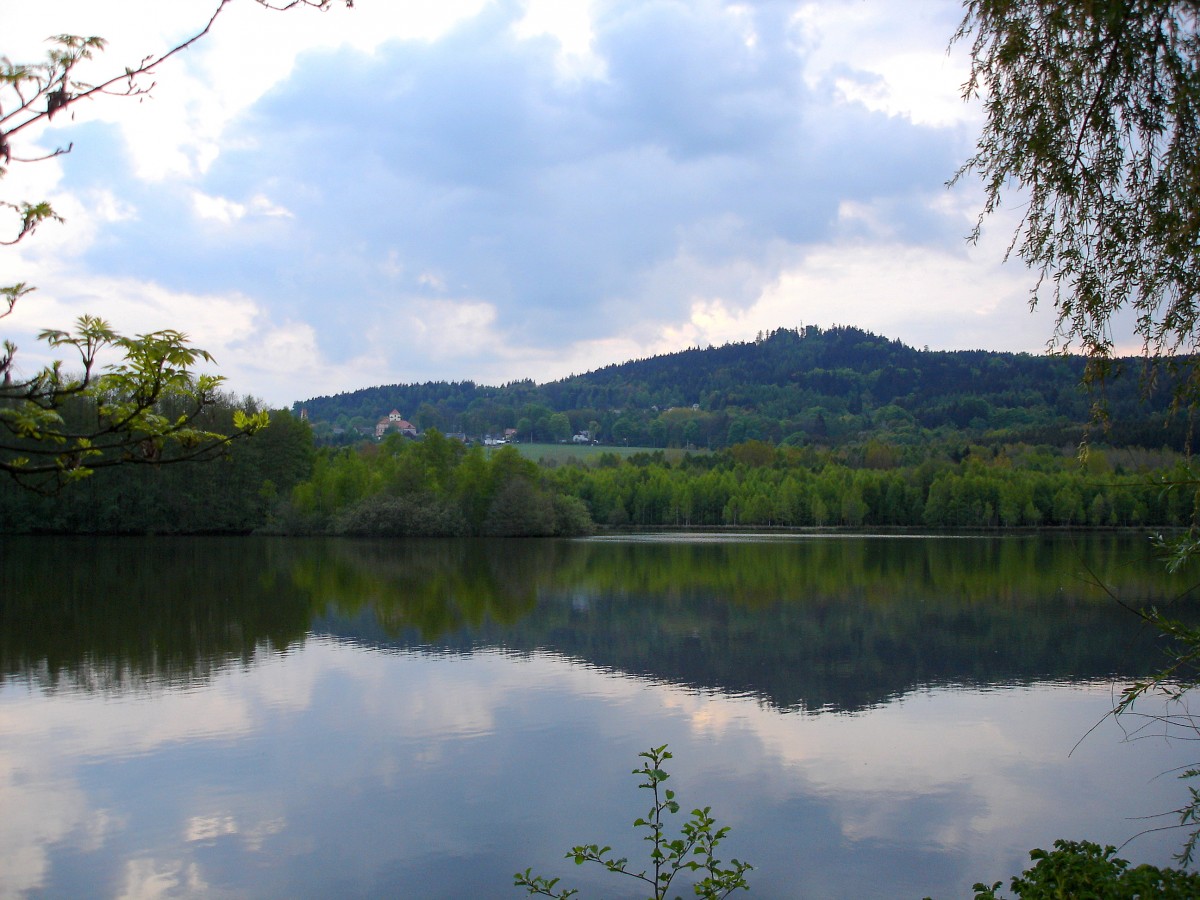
[694,851]
[1083,869]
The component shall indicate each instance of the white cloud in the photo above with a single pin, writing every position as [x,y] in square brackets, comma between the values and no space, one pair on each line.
[226,211]
[432,280]
[217,208]
[569,22]
[890,58]
[454,328]
[106,207]
[919,295]
[856,216]
[255,354]
[283,362]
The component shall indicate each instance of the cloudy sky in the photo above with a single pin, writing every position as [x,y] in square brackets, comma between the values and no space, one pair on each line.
[503,189]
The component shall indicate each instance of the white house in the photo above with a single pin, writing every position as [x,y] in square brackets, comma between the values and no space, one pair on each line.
[393,421]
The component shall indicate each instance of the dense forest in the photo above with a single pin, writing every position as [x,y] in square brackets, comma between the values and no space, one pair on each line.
[792,386]
[964,440]
[395,489]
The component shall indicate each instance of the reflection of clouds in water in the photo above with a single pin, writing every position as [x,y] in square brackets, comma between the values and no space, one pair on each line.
[383,755]
[277,684]
[150,879]
[40,806]
[49,737]
[209,828]
[59,811]
[99,726]
[416,705]
[707,713]
[948,769]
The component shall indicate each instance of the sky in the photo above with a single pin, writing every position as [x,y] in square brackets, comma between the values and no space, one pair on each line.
[495,190]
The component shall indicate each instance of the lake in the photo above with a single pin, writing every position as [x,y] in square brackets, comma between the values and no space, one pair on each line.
[872,716]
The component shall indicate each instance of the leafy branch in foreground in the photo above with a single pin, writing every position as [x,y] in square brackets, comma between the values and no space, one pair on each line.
[1092,122]
[147,408]
[56,428]
[694,851]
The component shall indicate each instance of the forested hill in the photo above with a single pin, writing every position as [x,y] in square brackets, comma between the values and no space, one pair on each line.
[795,386]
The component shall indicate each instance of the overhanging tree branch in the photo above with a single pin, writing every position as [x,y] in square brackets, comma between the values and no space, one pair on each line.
[149,406]
[1091,110]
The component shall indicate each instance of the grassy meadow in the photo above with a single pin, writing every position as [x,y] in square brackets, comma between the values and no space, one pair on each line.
[588,454]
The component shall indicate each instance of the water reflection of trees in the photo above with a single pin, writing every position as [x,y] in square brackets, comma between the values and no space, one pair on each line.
[115,613]
[816,624]
[843,623]
[122,613]
[425,589]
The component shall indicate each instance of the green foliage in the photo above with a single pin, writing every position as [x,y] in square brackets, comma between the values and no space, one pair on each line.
[1083,869]
[432,487]
[419,515]
[693,852]
[238,492]
[435,486]
[57,428]
[754,485]
[1093,121]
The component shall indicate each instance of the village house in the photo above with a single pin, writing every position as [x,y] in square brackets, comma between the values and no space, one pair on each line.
[393,421]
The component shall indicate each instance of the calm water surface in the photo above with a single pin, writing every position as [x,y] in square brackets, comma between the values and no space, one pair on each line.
[282,718]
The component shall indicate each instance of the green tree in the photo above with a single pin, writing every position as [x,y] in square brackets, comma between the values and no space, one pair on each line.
[559,427]
[854,509]
[428,417]
[622,430]
[60,424]
[1068,506]
[1092,124]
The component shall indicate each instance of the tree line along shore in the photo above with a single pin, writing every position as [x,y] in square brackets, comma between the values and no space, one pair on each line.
[279,481]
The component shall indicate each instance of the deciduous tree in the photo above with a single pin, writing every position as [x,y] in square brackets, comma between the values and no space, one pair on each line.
[61,423]
[1092,129]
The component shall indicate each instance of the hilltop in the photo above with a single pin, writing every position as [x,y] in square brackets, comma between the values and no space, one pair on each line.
[791,386]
